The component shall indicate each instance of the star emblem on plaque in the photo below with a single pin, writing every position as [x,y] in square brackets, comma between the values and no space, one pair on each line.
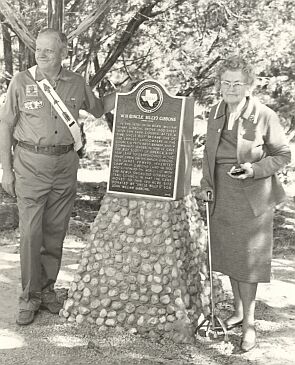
[149,98]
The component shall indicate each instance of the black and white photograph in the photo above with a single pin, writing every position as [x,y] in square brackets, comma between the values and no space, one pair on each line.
[147,182]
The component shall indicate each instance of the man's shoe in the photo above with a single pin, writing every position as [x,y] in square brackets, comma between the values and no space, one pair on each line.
[53,307]
[25,316]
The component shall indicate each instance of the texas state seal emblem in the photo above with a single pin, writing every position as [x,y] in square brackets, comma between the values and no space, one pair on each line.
[149,98]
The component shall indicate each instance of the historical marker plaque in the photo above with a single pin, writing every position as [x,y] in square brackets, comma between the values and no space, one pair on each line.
[147,142]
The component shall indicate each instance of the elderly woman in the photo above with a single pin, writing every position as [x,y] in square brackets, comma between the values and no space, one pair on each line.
[245,148]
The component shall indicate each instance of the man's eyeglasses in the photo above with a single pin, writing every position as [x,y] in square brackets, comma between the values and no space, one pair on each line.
[234,85]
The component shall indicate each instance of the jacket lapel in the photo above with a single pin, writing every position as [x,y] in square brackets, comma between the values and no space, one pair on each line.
[246,129]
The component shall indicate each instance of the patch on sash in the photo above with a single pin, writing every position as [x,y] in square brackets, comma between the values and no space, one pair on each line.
[33,104]
[32,90]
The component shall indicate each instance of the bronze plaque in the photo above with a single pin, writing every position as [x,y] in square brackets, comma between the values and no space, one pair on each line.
[146,142]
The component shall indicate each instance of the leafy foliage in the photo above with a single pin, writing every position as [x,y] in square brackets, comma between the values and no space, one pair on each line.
[179,43]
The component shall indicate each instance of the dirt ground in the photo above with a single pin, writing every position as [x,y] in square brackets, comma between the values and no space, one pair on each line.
[50,341]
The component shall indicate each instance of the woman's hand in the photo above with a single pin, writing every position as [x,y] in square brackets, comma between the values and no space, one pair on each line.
[207,195]
[243,172]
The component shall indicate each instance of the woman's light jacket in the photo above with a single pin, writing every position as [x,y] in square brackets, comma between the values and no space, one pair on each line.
[260,140]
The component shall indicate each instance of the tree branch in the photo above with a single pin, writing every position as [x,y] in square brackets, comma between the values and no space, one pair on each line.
[144,14]
[190,90]
[17,25]
[93,17]
[209,67]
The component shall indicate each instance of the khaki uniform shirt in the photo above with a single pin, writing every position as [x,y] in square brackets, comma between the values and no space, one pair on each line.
[34,120]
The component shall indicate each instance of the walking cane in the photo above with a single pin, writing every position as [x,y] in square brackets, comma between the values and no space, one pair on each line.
[213,323]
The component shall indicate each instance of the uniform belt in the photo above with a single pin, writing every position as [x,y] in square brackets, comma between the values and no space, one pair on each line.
[47,150]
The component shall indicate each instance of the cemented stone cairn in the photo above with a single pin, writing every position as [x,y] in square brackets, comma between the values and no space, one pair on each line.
[144,268]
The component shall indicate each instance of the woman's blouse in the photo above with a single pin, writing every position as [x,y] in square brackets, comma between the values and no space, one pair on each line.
[227,149]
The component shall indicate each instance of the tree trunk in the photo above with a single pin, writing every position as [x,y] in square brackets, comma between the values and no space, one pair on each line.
[7,51]
[26,57]
[56,14]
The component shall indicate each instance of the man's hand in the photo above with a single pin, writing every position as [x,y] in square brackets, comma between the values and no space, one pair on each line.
[8,180]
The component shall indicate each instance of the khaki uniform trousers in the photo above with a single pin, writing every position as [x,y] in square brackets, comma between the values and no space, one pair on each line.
[45,188]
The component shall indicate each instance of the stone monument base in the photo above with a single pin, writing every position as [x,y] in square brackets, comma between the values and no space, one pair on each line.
[144,269]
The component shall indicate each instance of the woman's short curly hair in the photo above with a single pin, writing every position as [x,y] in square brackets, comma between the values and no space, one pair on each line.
[236,63]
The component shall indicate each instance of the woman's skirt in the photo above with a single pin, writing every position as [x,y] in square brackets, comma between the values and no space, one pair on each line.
[241,243]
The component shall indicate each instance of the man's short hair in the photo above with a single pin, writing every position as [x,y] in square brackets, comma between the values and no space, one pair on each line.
[60,36]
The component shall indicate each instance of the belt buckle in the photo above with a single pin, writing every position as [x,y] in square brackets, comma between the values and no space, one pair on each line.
[36,148]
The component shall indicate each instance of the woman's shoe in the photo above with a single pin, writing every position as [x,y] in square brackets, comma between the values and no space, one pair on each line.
[232,325]
[249,339]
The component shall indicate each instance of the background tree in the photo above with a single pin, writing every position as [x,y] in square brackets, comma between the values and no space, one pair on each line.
[178,42]
[56,14]
[7,47]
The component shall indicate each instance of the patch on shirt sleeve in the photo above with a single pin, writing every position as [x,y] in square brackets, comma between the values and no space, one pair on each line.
[33,104]
[32,90]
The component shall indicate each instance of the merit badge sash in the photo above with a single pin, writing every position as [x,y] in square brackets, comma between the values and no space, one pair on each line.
[60,108]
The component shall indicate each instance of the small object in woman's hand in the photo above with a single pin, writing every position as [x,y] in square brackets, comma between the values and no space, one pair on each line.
[237,171]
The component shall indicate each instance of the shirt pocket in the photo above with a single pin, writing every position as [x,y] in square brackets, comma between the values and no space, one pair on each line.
[71,103]
[72,106]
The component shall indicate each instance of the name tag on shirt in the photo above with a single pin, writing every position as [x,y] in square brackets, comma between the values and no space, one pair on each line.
[32,90]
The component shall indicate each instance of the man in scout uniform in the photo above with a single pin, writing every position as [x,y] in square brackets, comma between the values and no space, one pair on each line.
[39,115]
